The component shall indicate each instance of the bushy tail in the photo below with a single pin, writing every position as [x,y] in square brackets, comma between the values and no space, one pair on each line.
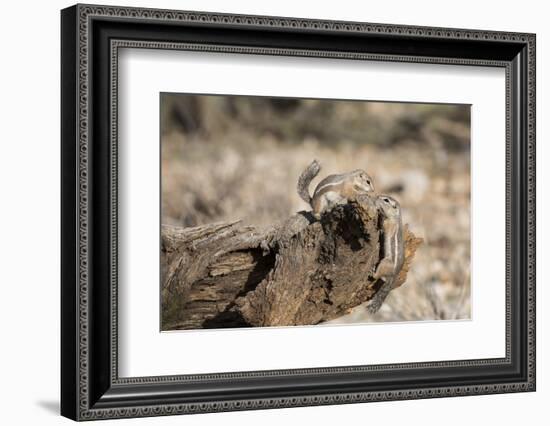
[305,179]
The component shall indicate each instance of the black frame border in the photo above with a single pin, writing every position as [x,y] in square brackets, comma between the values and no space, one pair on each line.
[91,37]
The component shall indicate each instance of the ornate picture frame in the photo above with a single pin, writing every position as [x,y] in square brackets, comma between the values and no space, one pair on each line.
[91,37]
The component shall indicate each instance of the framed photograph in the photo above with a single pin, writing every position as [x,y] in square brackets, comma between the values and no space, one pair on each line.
[263,212]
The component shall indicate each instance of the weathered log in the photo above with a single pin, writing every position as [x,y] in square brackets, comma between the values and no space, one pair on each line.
[298,272]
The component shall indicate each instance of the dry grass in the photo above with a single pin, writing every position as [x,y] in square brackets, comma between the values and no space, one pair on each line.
[232,170]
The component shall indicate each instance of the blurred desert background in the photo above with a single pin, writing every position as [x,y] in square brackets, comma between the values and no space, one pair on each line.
[231,157]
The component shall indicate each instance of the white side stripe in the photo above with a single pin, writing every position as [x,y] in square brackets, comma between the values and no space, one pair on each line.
[329,184]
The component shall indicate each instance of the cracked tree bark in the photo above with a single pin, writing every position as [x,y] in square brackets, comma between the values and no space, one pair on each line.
[298,272]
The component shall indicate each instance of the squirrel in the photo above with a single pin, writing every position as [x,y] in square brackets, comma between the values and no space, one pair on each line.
[394,252]
[332,190]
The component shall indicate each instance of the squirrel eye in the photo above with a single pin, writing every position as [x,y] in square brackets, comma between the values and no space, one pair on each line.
[368,181]
[386,200]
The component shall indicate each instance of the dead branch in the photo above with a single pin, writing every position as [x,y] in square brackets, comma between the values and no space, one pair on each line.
[297,272]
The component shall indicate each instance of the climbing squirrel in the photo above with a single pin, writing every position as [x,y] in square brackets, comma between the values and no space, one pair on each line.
[394,251]
[332,190]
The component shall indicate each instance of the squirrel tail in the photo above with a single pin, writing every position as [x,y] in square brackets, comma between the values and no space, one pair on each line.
[305,179]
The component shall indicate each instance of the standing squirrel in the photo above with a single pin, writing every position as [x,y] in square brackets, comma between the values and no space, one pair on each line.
[394,251]
[332,190]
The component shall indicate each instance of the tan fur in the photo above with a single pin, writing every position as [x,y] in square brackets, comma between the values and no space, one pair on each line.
[394,249]
[332,190]
[338,189]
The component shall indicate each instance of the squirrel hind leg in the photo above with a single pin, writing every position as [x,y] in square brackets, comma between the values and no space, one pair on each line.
[319,205]
[376,302]
[325,202]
